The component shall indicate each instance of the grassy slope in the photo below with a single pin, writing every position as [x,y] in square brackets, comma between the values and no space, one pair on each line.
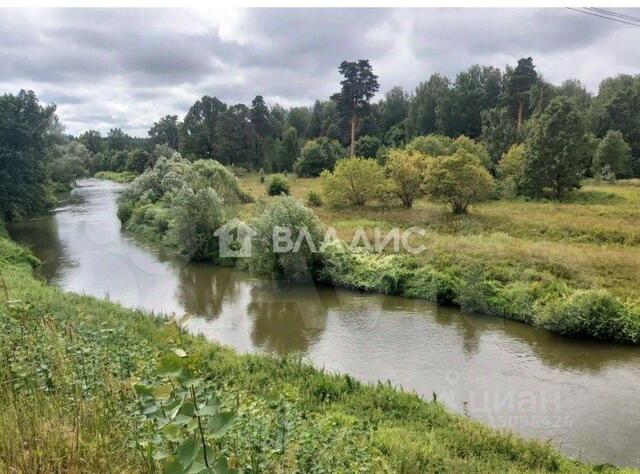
[83,423]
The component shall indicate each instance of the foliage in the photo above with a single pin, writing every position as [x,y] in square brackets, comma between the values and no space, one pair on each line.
[458,180]
[313,199]
[198,215]
[165,132]
[498,132]
[123,177]
[367,146]
[302,233]
[357,88]
[406,171]
[552,162]
[613,153]
[24,129]
[431,145]
[278,185]
[69,163]
[474,147]
[354,182]
[289,150]
[510,170]
[318,155]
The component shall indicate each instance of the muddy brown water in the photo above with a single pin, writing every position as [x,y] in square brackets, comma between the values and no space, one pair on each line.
[583,396]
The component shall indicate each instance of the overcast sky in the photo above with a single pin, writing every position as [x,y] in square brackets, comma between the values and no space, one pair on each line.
[127,68]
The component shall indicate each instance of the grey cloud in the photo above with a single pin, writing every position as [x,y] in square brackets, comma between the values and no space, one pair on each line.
[127,68]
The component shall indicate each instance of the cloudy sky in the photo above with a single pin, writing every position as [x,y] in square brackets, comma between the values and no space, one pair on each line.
[126,68]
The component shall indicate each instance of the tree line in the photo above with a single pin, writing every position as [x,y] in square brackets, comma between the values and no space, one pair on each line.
[497,109]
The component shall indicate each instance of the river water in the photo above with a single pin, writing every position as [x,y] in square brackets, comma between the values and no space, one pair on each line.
[581,395]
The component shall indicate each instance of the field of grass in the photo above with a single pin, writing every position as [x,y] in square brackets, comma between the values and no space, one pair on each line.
[70,406]
[591,239]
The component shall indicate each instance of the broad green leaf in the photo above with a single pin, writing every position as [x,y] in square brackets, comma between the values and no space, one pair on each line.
[185,413]
[186,452]
[142,389]
[221,466]
[173,466]
[172,408]
[219,424]
[172,433]
[170,365]
[211,407]
[163,392]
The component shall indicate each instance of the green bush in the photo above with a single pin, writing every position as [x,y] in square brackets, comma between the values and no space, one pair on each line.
[354,182]
[318,155]
[313,199]
[591,313]
[301,261]
[278,185]
[432,145]
[433,285]
[198,216]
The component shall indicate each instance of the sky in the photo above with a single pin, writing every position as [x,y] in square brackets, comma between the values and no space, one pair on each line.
[127,68]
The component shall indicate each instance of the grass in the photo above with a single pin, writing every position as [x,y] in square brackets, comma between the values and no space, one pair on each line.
[69,406]
[122,177]
[591,239]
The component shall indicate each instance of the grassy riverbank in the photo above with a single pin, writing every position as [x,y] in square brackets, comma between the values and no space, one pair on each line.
[572,267]
[121,177]
[70,405]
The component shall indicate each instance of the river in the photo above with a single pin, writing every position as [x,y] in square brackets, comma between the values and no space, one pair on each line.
[583,396]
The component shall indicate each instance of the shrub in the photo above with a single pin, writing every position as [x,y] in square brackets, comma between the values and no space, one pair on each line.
[433,285]
[354,182]
[432,145]
[457,180]
[318,155]
[473,147]
[592,313]
[198,216]
[278,185]
[367,146]
[314,199]
[406,172]
[299,263]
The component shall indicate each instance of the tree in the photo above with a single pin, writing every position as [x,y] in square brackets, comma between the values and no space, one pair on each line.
[393,109]
[406,172]
[139,160]
[422,114]
[199,132]
[69,163]
[93,141]
[165,132]
[289,150]
[316,121]
[117,140]
[510,169]
[432,145]
[298,118]
[24,125]
[318,155]
[472,146]
[518,82]
[458,180]
[552,150]
[498,132]
[354,182]
[237,137]
[358,87]
[613,153]
[475,90]
[367,146]
[260,116]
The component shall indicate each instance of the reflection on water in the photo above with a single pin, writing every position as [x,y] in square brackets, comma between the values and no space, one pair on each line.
[583,395]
